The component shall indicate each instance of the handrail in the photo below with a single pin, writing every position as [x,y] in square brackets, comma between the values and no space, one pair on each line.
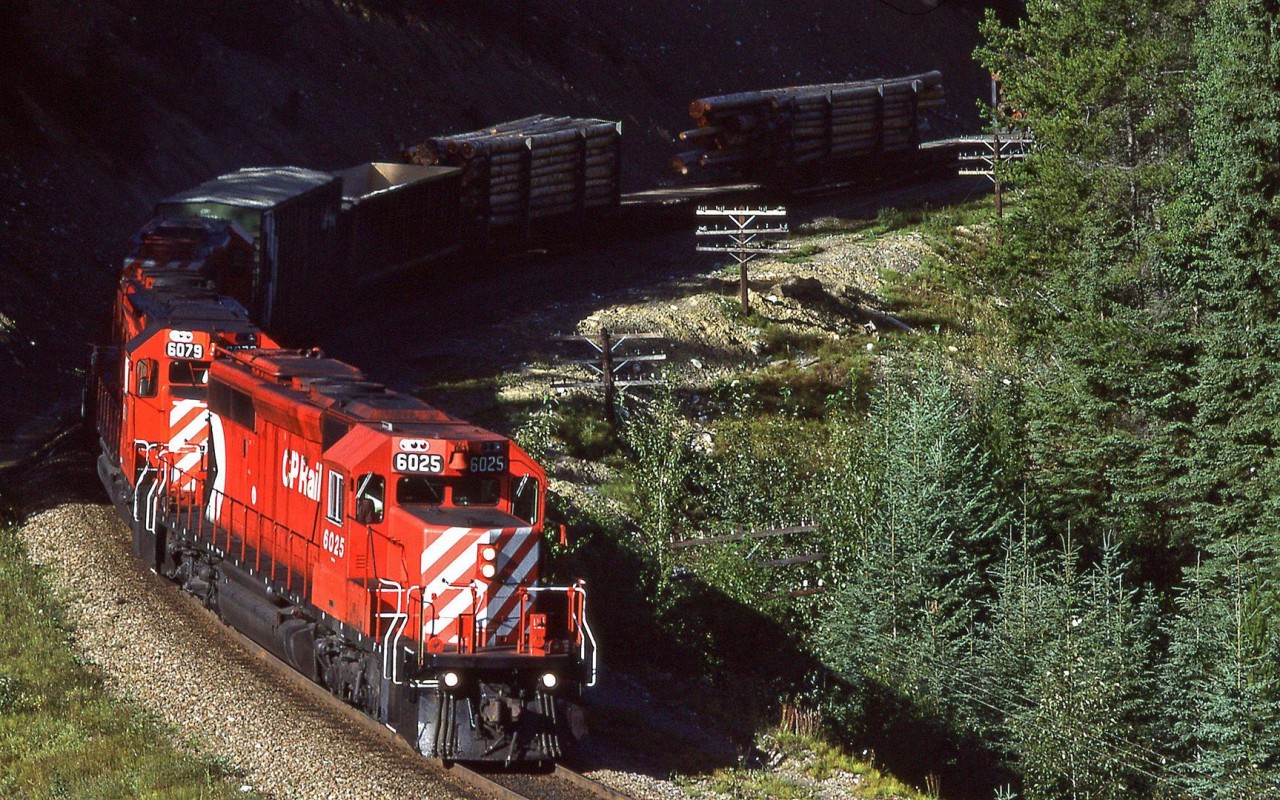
[288,549]
[580,588]
[154,496]
[146,467]
[586,640]
[399,620]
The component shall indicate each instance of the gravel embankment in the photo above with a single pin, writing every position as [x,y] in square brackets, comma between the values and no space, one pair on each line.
[176,661]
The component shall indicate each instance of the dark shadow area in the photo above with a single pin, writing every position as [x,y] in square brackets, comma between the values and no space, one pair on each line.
[59,470]
[708,653]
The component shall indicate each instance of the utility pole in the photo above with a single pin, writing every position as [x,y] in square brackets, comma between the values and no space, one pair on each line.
[610,361]
[1002,145]
[746,238]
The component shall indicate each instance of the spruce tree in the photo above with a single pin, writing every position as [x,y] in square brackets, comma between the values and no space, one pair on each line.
[1233,282]
[931,518]
[1103,87]
[1221,691]
[1078,720]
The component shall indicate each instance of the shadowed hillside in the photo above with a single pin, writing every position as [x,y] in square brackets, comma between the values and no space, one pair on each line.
[107,105]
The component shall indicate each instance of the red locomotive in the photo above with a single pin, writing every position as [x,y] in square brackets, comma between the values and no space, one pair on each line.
[379,546]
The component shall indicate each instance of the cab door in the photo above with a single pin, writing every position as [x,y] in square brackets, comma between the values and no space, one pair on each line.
[330,558]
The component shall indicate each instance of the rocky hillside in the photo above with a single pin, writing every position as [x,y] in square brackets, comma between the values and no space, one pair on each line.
[108,105]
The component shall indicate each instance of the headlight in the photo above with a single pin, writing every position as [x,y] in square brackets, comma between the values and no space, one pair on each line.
[549,680]
[451,679]
[488,570]
[489,552]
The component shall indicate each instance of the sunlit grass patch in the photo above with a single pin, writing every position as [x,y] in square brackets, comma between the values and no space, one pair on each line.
[61,734]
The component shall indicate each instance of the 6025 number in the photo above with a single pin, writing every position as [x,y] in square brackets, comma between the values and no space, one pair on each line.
[335,543]
[418,462]
[488,464]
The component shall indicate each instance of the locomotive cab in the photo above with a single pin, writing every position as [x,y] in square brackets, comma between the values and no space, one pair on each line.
[152,382]
[487,651]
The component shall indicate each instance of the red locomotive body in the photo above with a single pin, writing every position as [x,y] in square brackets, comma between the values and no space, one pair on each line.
[381,547]
[151,380]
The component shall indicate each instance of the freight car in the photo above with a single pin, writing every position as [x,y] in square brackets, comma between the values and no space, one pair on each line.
[290,215]
[381,547]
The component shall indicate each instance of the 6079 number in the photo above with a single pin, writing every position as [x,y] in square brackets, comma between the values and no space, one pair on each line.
[184,350]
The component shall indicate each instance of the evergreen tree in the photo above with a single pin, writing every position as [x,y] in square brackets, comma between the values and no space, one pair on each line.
[1076,708]
[1220,686]
[1103,87]
[931,517]
[1233,281]
[1101,84]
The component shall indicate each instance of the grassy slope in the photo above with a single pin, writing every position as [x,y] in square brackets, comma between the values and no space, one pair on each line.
[61,733]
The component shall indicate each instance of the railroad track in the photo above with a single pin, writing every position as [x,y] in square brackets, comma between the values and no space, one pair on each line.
[560,783]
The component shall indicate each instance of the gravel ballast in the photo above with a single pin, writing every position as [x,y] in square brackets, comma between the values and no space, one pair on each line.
[176,661]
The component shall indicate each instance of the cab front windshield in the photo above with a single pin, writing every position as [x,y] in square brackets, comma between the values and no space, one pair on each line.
[466,491]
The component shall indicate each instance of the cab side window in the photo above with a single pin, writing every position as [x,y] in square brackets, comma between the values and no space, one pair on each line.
[371,492]
[334,508]
[145,377]
[524,503]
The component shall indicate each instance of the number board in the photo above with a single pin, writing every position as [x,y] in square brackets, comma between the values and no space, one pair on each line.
[184,350]
[488,464]
[418,462]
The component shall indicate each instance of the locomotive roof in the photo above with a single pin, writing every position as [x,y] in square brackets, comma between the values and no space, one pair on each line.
[190,306]
[307,378]
[254,187]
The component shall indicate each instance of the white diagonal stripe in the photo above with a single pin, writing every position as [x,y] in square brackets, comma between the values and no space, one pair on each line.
[188,461]
[183,437]
[505,626]
[449,614]
[443,543]
[518,578]
[180,410]
[454,572]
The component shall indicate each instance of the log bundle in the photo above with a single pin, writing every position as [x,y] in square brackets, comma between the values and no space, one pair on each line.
[800,129]
[531,169]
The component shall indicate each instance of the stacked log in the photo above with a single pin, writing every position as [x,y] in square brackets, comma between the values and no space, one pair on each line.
[531,169]
[761,133]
